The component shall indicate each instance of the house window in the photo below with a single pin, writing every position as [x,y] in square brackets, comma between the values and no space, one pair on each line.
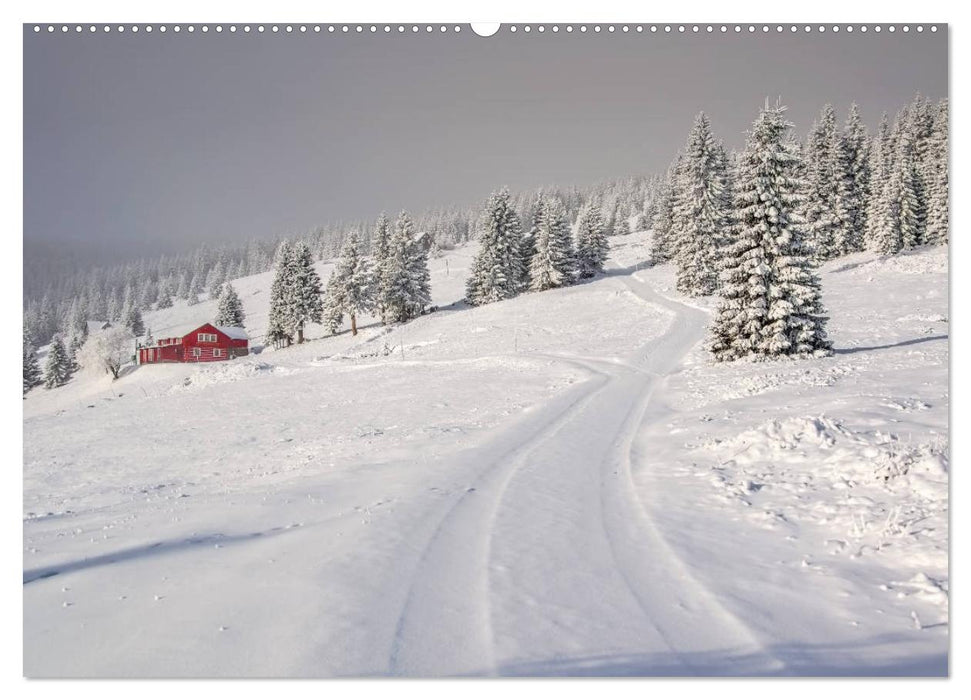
[207,337]
[216,352]
[197,352]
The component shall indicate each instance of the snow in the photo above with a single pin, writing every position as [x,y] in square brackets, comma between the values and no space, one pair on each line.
[233,332]
[557,484]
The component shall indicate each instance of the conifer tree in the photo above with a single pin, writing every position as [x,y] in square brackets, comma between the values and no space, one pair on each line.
[57,369]
[663,247]
[113,309]
[230,309]
[164,297]
[350,288]
[278,330]
[405,279]
[879,174]
[196,284]
[73,349]
[921,128]
[770,292]
[215,279]
[31,367]
[900,213]
[621,226]
[553,263]
[133,321]
[700,213]
[822,210]
[527,248]
[149,294]
[304,303]
[380,246]
[77,333]
[592,244]
[498,270]
[183,290]
[938,217]
[854,184]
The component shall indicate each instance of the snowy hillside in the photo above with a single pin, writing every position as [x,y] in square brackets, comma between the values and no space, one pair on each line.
[557,484]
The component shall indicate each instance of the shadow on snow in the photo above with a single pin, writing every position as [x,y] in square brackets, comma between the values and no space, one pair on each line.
[912,341]
[825,660]
[140,552]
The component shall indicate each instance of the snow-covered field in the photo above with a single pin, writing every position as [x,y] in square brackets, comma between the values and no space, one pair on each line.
[559,484]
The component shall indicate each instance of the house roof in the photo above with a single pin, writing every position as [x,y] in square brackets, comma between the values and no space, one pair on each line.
[182,330]
[234,332]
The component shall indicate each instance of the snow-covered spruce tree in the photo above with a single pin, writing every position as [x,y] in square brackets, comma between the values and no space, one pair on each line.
[380,245]
[31,367]
[621,227]
[498,270]
[74,345]
[854,183]
[900,213]
[196,284]
[350,288]
[148,295]
[405,291]
[133,321]
[822,153]
[921,129]
[57,369]
[229,311]
[771,304]
[879,174]
[938,217]
[553,263]
[116,308]
[527,248]
[592,244]
[700,213]
[78,323]
[182,290]
[278,329]
[663,247]
[304,303]
[164,297]
[215,279]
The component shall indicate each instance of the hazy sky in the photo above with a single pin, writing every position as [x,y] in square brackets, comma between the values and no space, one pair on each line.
[160,141]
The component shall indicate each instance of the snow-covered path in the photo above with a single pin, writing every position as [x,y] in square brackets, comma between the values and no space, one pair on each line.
[548,563]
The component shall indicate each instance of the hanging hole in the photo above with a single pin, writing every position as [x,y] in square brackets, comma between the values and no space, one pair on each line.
[485,28]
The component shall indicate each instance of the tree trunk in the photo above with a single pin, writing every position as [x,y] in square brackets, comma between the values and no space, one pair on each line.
[353,324]
[299,335]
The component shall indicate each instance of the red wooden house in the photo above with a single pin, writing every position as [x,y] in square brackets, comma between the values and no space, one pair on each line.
[207,343]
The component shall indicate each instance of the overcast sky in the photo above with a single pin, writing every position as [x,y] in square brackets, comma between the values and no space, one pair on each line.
[156,141]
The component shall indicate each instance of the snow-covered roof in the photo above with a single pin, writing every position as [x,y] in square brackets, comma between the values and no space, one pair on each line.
[177,331]
[234,332]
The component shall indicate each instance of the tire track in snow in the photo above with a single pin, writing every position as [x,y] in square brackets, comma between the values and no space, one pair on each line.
[443,627]
[636,540]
